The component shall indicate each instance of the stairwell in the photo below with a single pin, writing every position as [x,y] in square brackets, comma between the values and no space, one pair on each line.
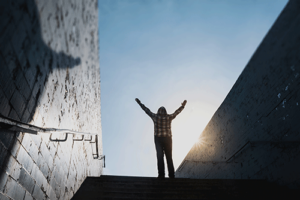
[125,187]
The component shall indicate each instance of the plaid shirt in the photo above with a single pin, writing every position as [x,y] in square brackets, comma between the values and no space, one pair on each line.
[162,123]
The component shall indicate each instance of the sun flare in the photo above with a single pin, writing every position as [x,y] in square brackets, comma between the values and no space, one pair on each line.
[188,127]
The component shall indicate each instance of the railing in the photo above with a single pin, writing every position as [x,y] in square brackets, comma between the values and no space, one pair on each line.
[231,158]
[14,125]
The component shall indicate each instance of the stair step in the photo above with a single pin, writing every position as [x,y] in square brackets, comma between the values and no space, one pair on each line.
[124,187]
[162,195]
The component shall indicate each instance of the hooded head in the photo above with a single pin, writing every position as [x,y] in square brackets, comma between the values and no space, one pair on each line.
[162,111]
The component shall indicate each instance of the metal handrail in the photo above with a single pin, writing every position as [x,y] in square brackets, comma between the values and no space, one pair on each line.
[233,156]
[14,125]
[227,161]
[242,148]
[36,129]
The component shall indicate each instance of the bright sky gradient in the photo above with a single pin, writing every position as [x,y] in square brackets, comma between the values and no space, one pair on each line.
[164,52]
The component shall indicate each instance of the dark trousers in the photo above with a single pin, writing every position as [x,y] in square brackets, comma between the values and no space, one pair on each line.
[163,146]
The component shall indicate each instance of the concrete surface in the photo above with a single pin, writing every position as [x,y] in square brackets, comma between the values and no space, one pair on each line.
[262,107]
[49,77]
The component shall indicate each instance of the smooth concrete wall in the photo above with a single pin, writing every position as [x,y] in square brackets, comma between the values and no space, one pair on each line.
[49,77]
[263,109]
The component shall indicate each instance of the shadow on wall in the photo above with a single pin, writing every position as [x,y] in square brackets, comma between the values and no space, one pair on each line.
[26,62]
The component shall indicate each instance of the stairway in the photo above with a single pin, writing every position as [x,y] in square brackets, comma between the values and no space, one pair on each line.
[122,187]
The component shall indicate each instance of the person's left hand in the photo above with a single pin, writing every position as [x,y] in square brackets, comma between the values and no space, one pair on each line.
[137,100]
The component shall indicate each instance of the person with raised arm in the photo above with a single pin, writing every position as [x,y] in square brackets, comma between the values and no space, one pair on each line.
[163,136]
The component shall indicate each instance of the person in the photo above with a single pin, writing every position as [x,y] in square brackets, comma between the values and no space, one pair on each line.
[163,137]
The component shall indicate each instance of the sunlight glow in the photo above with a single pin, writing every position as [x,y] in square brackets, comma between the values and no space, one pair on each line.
[188,128]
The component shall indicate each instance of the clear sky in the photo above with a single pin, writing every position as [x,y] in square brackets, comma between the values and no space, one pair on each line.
[163,52]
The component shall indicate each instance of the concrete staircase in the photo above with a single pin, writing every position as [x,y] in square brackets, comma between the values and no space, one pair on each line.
[122,187]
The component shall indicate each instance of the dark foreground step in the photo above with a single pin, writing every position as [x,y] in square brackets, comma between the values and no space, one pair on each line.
[123,187]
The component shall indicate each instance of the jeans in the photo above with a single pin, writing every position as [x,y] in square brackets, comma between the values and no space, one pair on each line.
[163,146]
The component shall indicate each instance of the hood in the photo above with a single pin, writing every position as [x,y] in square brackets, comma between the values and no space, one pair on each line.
[162,111]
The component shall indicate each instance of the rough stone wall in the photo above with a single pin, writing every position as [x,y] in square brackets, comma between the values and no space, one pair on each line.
[263,108]
[49,77]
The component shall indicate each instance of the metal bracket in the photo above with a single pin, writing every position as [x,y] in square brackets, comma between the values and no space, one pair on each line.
[102,157]
[17,126]
[57,140]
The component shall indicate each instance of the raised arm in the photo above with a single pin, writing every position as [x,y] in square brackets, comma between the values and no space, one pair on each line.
[147,110]
[178,110]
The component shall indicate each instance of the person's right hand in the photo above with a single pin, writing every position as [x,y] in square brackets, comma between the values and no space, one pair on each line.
[137,100]
[183,103]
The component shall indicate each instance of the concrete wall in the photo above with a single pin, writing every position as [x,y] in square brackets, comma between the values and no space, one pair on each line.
[262,107]
[49,77]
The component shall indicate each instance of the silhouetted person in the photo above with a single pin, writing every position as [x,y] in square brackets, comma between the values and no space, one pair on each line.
[163,136]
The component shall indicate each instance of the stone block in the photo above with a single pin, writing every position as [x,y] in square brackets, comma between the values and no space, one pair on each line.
[15,148]
[18,38]
[54,185]
[36,93]
[6,35]
[15,69]
[13,168]
[31,107]
[26,180]
[23,86]
[18,102]
[14,190]
[38,176]
[6,137]
[17,9]
[46,153]
[6,82]
[47,61]
[13,114]
[4,104]
[30,147]
[43,166]
[22,59]
[52,148]
[28,196]
[30,74]
[3,197]
[50,193]
[24,158]
[57,161]
[31,24]
[36,139]
[57,189]
[38,193]
[11,59]
[58,174]
[31,55]
[5,18]
[26,116]
[3,180]
[64,192]
[77,184]
[20,136]
[3,154]
[32,8]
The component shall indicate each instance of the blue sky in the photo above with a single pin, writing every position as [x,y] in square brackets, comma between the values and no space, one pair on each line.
[163,52]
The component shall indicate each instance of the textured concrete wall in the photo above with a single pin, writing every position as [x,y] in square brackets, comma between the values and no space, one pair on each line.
[49,77]
[263,107]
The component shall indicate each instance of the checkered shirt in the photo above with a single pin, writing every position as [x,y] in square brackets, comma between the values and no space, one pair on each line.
[162,123]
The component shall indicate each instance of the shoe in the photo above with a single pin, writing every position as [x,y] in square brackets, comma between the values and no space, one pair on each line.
[172,177]
[160,177]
